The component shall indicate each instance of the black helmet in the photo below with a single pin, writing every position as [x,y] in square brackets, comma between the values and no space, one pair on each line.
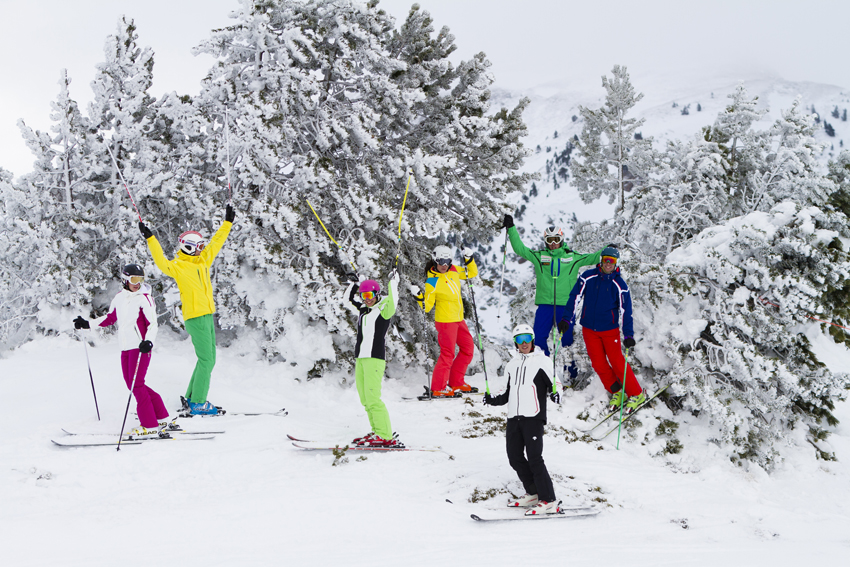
[132,272]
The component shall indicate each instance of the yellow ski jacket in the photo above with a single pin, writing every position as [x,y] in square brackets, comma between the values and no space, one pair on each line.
[443,290]
[192,273]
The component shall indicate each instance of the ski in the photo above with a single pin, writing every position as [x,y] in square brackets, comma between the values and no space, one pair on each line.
[99,441]
[427,397]
[179,430]
[281,413]
[630,414]
[319,446]
[564,513]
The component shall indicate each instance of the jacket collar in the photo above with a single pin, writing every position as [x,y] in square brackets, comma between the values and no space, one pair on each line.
[437,274]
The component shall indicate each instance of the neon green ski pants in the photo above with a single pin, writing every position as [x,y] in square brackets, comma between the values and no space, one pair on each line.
[202,331]
[369,374]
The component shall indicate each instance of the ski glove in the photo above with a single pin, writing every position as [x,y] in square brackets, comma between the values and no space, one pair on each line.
[509,221]
[629,342]
[146,232]
[80,323]
[488,399]
[416,293]
[563,326]
[229,214]
[145,346]
[467,254]
[555,397]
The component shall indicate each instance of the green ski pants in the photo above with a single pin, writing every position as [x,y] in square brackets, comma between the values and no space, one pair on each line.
[202,331]
[369,373]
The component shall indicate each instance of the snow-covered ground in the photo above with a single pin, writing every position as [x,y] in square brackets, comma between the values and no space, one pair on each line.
[249,498]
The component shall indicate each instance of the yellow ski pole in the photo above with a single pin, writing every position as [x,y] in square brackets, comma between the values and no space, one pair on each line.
[403,203]
[331,237]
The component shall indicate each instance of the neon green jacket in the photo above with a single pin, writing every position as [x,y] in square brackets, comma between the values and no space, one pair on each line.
[560,265]
[192,273]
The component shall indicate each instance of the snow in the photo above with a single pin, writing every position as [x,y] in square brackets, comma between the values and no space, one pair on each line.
[249,498]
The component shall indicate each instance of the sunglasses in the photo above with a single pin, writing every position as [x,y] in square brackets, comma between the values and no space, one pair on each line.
[522,339]
[136,279]
[443,261]
[609,260]
[367,295]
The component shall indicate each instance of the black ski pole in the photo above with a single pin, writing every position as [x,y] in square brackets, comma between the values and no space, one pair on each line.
[130,397]
[478,330]
[88,362]
[502,280]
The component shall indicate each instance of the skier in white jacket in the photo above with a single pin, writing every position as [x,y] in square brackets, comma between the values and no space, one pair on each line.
[529,384]
[134,311]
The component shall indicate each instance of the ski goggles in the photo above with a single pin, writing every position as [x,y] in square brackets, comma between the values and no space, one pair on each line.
[609,260]
[553,240]
[522,339]
[368,295]
[135,279]
[443,261]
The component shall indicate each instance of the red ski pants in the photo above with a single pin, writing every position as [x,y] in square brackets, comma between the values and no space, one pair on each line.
[606,356]
[448,369]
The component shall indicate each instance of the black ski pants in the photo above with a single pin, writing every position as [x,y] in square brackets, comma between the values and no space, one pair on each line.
[524,443]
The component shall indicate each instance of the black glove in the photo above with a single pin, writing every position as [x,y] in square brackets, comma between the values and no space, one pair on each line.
[488,399]
[229,214]
[145,346]
[146,232]
[351,277]
[555,397]
[80,323]
[629,342]
[509,221]
[563,326]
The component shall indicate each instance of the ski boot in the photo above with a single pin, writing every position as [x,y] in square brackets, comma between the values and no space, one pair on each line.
[377,442]
[634,402]
[527,501]
[466,389]
[205,408]
[543,508]
[141,432]
[616,400]
[364,439]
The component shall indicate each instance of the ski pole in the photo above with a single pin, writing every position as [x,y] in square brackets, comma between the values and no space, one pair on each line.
[331,237]
[88,362]
[403,203]
[502,281]
[622,398]
[130,397]
[478,331]
[124,181]
[227,145]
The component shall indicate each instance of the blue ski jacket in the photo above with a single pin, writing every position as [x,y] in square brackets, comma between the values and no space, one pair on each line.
[606,300]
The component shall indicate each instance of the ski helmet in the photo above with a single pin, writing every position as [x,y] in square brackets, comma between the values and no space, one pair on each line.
[443,253]
[191,242]
[523,329]
[369,285]
[553,234]
[132,273]
[612,252]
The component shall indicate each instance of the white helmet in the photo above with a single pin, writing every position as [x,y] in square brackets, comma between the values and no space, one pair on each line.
[442,253]
[191,242]
[523,329]
[553,232]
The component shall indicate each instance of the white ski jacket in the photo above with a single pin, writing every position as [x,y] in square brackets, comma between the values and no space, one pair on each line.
[529,385]
[135,313]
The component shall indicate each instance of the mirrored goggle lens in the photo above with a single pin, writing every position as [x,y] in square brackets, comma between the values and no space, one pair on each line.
[136,279]
[553,240]
[444,261]
[522,339]
[609,260]
[367,295]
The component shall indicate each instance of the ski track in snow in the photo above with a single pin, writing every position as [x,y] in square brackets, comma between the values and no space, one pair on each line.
[249,498]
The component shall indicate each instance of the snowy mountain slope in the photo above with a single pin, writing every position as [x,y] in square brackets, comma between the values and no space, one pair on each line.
[249,498]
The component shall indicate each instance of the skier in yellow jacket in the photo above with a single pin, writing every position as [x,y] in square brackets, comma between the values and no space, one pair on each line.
[190,268]
[442,293]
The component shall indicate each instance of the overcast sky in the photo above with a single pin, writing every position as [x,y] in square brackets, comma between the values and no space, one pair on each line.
[530,43]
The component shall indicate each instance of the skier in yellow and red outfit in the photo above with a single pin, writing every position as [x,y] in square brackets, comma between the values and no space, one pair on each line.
[442,293]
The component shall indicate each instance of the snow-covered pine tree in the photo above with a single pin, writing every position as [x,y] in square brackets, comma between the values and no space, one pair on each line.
[608,158]
[328,103]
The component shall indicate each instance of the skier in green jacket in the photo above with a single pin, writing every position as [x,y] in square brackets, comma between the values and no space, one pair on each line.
[557,269]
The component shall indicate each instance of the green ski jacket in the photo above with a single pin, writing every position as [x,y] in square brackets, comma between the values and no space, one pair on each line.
[550,266]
